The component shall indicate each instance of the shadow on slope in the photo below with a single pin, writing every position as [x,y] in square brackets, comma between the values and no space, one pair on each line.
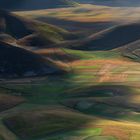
[45,122]
[111,38]
[75,25]
[62,122]
[113,3]
[108,101]
[9,101]
[57,54]
[131,50]
[35,4]
[31,33]
[17,62]
[14,25]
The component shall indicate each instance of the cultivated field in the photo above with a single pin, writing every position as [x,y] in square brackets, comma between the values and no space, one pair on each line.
[92,91]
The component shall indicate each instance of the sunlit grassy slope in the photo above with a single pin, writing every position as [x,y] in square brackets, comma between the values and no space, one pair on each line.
[102,86]
[27,32]
[88,13]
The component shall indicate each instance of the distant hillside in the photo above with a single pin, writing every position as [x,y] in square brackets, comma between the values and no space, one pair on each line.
[109,39]
[18,34]
[35,4]
[120,3]
[13,25]
[131,50]
[17,62]
[30,33]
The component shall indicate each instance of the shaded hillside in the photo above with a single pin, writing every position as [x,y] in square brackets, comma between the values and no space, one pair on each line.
[15,62]
[35,4]
[9,101]
[115,3]
[7,38]
[111,38]
[131,50]
[14,25]
[71,25]
[42,122]
[30,32]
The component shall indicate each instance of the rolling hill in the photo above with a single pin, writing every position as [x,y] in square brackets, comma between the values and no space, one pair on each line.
[9,101]
[35,4]
[115,3]
[97,99]
[40,123]
[13,25]
[28,32]
[17,62]
[131,50]
[111,38]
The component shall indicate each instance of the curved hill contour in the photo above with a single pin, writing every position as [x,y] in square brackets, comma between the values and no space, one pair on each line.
[14,25]
[131,50]
[17,62]
[32,33]
[114,3]
[109,39]
[35,4]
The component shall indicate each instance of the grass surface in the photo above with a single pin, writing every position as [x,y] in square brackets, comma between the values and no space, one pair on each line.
[97,100]
[85,94]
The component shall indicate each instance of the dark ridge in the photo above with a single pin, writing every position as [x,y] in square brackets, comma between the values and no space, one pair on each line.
[77,25]
[113,3]
[111,38]
[9,101]
[13,25]
[17,62]
[131,50]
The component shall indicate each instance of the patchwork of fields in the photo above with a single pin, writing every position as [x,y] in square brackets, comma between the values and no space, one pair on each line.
[73,74]
[99,99]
